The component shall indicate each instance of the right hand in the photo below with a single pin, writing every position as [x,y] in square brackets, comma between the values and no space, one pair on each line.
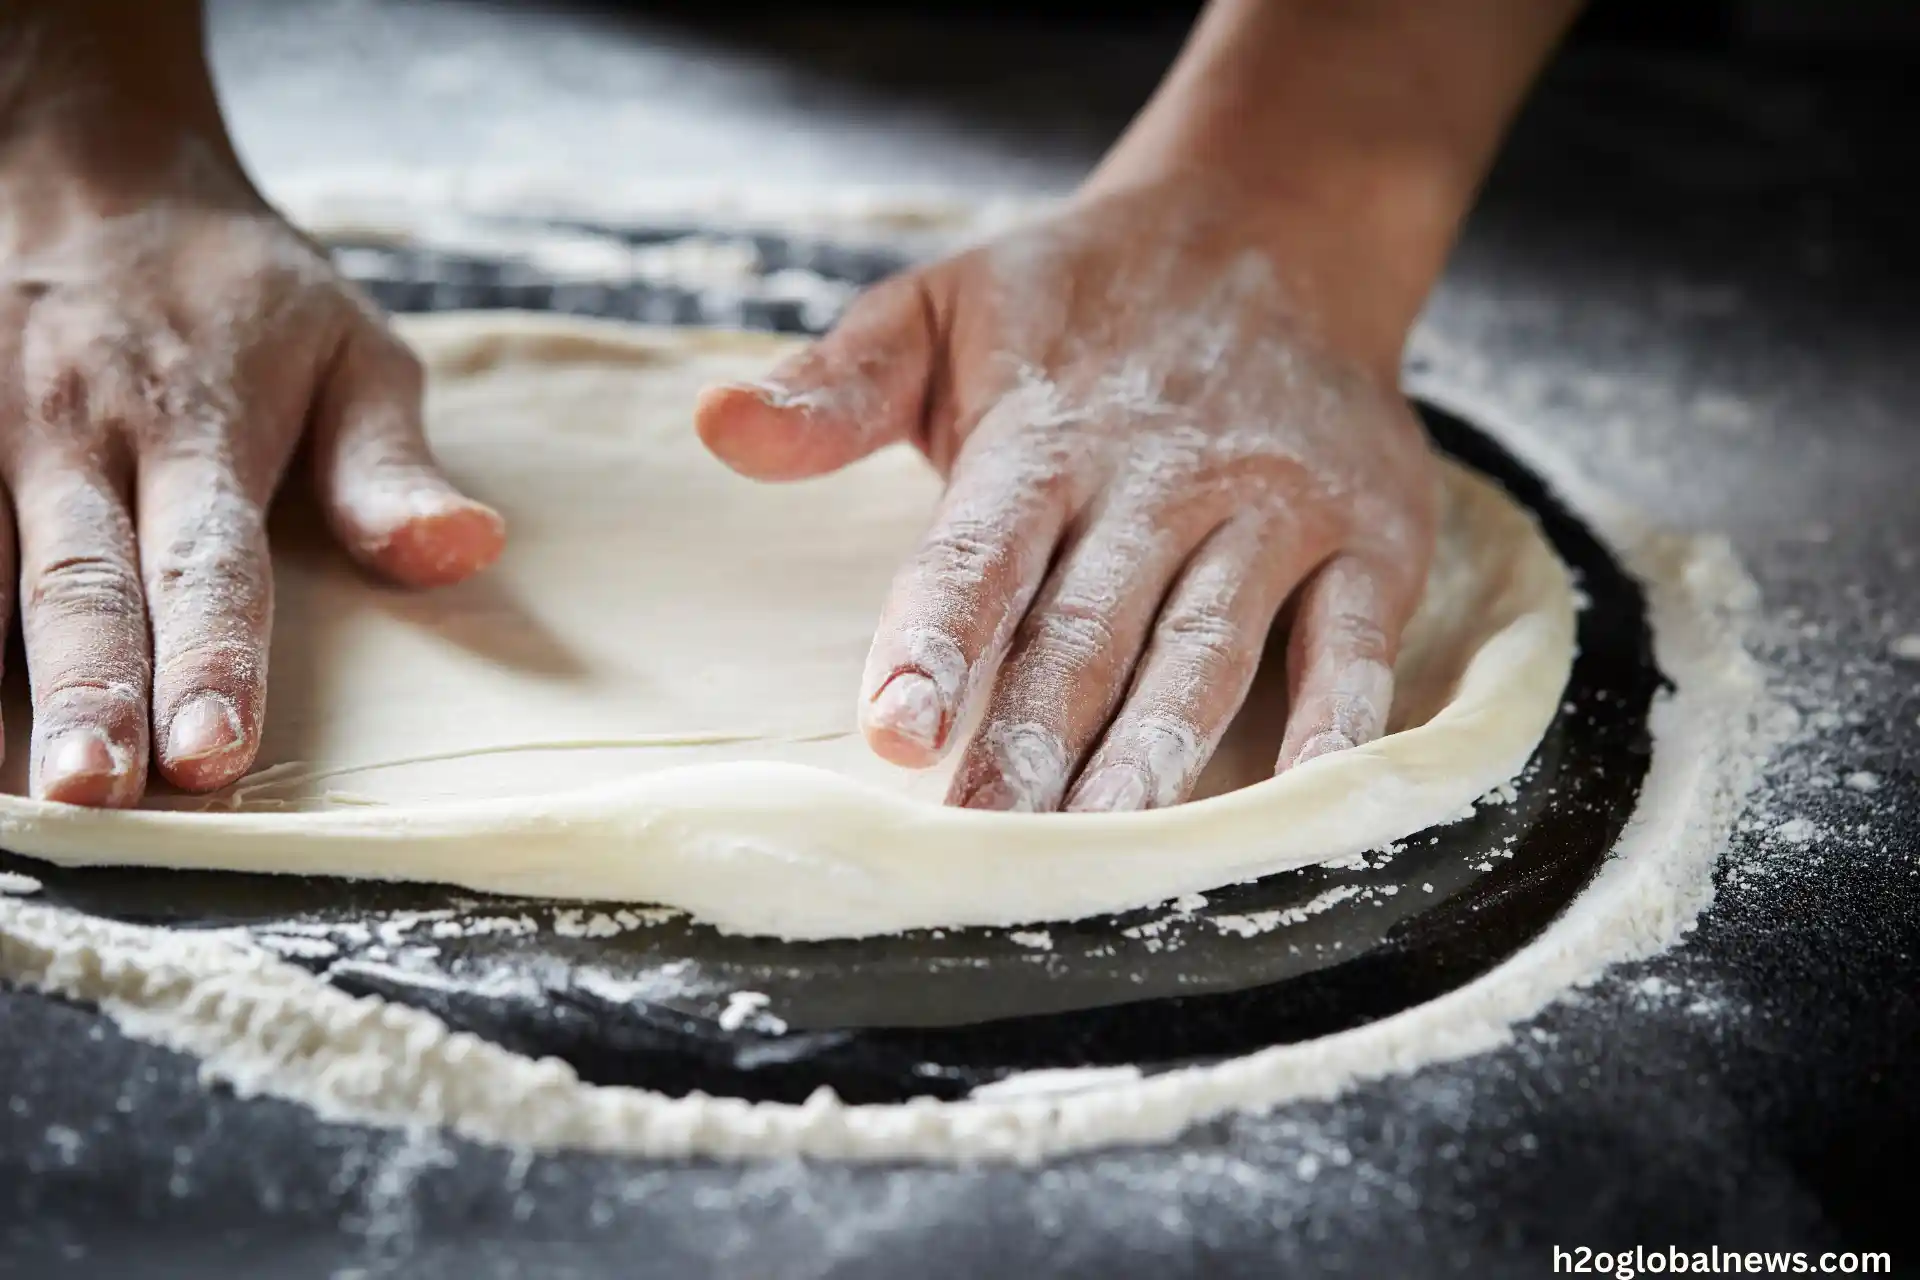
[1152,443]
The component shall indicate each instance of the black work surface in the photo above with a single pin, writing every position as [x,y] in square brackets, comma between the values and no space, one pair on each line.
[1670,247]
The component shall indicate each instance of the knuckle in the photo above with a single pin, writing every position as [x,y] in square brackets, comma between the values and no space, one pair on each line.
[66,694]
[218,552]
[86,584]
[228,662]
[1071,634]
[1202,636]
[188,573]
[963,552]
[1358,634]
[60,397]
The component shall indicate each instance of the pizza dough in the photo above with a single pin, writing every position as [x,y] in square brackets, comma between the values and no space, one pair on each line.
[651,698]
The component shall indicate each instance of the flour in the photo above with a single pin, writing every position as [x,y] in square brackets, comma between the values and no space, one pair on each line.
[605,924]
[18,885]
[1256,923]
[1797,831]
[749,1008]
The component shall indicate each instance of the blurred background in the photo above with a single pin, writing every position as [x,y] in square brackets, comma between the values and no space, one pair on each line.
[977,98]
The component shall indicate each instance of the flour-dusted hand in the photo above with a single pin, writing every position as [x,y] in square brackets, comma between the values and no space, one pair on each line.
[1168,414]
[1151,447]
[165,343]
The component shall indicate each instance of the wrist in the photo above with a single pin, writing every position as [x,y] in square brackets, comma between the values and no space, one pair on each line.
[1357,248]
[108,93]
[1349,137]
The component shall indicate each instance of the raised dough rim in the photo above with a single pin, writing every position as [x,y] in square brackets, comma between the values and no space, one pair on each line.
[860,870]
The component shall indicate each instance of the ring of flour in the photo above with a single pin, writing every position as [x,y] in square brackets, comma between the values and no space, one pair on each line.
[262,1026]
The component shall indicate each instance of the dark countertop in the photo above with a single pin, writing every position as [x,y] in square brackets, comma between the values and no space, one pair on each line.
[1697,271]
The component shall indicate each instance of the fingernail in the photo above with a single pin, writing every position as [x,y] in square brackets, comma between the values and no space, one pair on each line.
[1323,744]
[778,395]
[909,706]
[79,753]
[1118,788]
[207,726]
[76,758]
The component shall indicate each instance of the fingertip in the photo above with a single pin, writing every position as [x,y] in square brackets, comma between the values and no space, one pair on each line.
[82,766]
[716,408]
[449,540]
[896,748]
[1320,744]
[1114,788]
[205,745]
[766,432]
[907,721]
[1012,768]
[728,420]
[984,791]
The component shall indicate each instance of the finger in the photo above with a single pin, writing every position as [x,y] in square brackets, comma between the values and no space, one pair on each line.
[209,589]
[861,387]
[953,607]
[1200,662]
[85,628]
[1346,635]
[386,498]
[1069,664]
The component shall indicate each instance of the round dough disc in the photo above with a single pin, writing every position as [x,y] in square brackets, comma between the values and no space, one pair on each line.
[652,697]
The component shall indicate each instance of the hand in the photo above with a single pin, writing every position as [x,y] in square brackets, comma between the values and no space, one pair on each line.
[1153,442]
[165,339]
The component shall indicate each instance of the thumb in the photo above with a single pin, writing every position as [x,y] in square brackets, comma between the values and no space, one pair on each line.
[858,389]
[386,499]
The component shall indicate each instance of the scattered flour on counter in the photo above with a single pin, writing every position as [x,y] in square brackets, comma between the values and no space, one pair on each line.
[480,926]
[1255,923]
[749,1007]
[1506,793]
[1038,939]
[1861,780]
[297,946]
[18,885]
[570,923]
[1656,988]
[1797,831]
[67,1142]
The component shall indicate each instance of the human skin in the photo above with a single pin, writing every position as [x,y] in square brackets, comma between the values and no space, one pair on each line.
[1166,412]
[166,341]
